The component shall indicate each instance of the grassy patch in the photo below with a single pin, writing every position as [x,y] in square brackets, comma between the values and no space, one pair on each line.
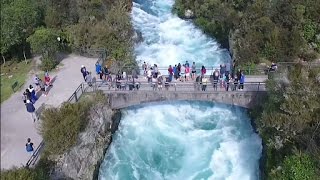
[39,172]
[11,73]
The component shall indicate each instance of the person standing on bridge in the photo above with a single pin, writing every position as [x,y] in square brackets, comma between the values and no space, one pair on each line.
[215,79]
[170,72]
[149,75]
[182,72]
[241,81]
[228,69]
[193,71]
[179,70]
[176,72]
[156,70]
[204,83]
[98,69]
[144,67]
[203,71]
[187,64]
[235,83]
[187,73]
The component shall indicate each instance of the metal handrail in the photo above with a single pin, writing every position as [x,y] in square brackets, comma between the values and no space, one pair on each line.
[37,152]
[83,88]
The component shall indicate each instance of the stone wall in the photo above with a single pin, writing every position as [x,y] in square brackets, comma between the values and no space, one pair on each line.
[239,98]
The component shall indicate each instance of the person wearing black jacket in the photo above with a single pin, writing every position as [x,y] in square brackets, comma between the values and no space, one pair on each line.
[31,109]
[83,70]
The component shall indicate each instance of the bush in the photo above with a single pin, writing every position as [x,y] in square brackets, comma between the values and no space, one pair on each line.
[297,167]
[61,127]
[48,64]
[40,172]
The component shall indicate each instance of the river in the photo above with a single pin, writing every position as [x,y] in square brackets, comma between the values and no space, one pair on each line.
[187,139]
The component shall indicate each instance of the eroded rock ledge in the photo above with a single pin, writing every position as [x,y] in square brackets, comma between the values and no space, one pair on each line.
[83,160]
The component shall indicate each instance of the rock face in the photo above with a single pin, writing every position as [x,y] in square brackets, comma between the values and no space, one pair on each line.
[137,36]
[188,14]
[83,160]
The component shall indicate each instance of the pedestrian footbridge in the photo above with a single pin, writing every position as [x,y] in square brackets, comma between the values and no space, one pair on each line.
[126,94]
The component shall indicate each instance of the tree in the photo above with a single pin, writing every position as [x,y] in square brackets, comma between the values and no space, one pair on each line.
[44,41]
[9,31]
[18,20]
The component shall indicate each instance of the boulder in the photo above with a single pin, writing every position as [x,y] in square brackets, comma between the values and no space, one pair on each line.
[137,36]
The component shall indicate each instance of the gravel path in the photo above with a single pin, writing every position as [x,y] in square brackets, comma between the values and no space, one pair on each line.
[16,122]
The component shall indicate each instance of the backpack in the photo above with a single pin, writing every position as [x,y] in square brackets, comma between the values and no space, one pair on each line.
[29,147]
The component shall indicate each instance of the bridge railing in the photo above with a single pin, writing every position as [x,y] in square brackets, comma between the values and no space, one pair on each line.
[125,86]
[72,99]
[210,70]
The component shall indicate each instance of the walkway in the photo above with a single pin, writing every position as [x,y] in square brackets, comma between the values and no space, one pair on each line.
[16,123]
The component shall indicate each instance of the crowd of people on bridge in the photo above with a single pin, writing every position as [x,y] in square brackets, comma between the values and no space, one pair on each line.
[224,77]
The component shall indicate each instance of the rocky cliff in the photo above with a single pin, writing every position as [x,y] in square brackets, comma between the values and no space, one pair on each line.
[83,160]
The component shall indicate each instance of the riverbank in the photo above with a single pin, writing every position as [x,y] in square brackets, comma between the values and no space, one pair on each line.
[83,160]
[253,34]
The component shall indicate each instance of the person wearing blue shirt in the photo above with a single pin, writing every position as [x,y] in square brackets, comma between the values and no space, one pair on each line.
[241,81]
[98,69]
[187,64]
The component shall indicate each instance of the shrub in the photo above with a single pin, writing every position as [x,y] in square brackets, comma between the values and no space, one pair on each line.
[60,127]
[40,172]
[297,167]
[48,64]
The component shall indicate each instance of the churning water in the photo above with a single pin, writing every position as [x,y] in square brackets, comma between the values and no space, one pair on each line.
[182,140]
[169,40]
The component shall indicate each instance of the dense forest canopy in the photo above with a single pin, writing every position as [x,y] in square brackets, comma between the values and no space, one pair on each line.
[272,30]
[66,25]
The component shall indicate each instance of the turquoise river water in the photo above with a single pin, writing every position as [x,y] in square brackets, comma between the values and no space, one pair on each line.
[187,139]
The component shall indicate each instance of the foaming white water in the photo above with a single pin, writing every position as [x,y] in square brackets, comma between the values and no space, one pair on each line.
[169,40]
[185,140]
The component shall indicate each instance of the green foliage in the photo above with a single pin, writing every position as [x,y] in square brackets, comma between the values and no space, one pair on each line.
[82,25]
[113,32]
[263,30]
[297,167]
[48,63]
[290,121]
[18,20]
[309,30]
[60,127]
[44,41]
[40,172]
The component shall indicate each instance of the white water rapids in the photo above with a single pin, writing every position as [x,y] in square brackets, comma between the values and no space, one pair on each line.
[186,139]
